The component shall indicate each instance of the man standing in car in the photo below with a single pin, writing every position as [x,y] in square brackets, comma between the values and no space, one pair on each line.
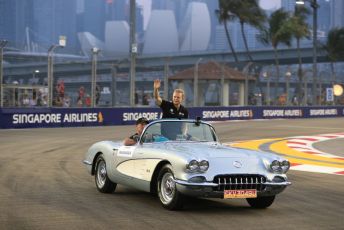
[174,108]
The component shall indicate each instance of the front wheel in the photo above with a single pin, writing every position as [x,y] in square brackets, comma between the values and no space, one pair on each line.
[169,196]
[261,202]
[103,183]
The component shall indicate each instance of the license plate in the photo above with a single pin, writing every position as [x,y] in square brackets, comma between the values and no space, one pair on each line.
[245,193]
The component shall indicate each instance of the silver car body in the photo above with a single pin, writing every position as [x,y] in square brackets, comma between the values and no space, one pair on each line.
[229,168]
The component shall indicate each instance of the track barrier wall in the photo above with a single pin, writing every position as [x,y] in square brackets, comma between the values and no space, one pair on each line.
[12,118]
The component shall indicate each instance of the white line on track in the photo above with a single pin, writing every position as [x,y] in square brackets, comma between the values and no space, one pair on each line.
[308,127]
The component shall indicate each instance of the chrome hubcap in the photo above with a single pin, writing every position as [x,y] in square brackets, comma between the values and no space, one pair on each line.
[167,188]
[101,174]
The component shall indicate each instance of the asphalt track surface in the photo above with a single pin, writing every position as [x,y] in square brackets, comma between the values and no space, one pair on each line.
[44,185]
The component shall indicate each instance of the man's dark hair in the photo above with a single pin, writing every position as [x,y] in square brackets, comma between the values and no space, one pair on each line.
[142,121]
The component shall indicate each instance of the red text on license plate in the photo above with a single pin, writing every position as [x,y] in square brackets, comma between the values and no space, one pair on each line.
[245,193]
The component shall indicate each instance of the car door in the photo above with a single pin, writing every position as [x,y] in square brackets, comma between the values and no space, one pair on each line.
[133,166]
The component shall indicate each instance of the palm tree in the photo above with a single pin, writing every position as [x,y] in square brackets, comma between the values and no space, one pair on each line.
[334,47]
[277,32]
[248,12]
[300,30]
[224,15]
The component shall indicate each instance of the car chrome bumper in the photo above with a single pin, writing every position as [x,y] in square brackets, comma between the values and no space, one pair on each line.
[86,162]
[88,166]
[211,184]
[206,189]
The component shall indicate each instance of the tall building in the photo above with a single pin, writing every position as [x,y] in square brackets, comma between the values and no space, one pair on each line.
[53,19]
[337,16]
[34,25]
[93,18]
[97,13]
[212,7]
[288,5]
[178,7]
[194,34]
[161,34]
[220,40]
[324,18]
[118,10]
[139,24]
[14,19]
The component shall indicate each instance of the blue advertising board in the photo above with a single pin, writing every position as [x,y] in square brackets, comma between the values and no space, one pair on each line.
[73,117]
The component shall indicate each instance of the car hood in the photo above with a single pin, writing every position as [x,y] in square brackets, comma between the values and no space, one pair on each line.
[222,159]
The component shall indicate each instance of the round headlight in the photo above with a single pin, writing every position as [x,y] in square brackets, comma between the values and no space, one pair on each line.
[203,165]
[285,165]
[193,165]
[275,166]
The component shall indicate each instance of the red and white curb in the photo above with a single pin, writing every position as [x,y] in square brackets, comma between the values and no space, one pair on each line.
[305,144]
[317,169]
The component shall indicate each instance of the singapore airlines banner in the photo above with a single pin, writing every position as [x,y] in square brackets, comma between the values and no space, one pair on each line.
[56,117]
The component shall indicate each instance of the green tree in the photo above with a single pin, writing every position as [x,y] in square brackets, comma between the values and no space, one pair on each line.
[300,30]
[334,48]
[224,15]
[276,32]
[248,12]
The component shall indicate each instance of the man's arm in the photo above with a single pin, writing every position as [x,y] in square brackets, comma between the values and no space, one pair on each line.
[158,99]
[129,141]
[132,140]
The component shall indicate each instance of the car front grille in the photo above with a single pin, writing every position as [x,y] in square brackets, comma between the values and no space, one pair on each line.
[239,181]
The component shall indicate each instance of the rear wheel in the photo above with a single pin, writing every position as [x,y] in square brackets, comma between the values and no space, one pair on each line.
[103,183]
[261,202]
[168,194]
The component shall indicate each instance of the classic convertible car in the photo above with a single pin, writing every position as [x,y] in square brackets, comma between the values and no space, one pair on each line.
[181,158]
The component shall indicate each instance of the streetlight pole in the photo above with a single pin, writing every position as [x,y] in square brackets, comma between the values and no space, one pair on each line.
[133,51]
[195,85]
[305,97]
[50,74]
[222,83]
[3,43]
[246,89]
[34,75]
[95,52]
[315,6]
[246,71]
[114,71]
[287,86]
[62,43]
[266,75]
[315,68]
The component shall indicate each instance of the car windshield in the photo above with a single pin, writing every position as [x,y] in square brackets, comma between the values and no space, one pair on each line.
[178,131]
